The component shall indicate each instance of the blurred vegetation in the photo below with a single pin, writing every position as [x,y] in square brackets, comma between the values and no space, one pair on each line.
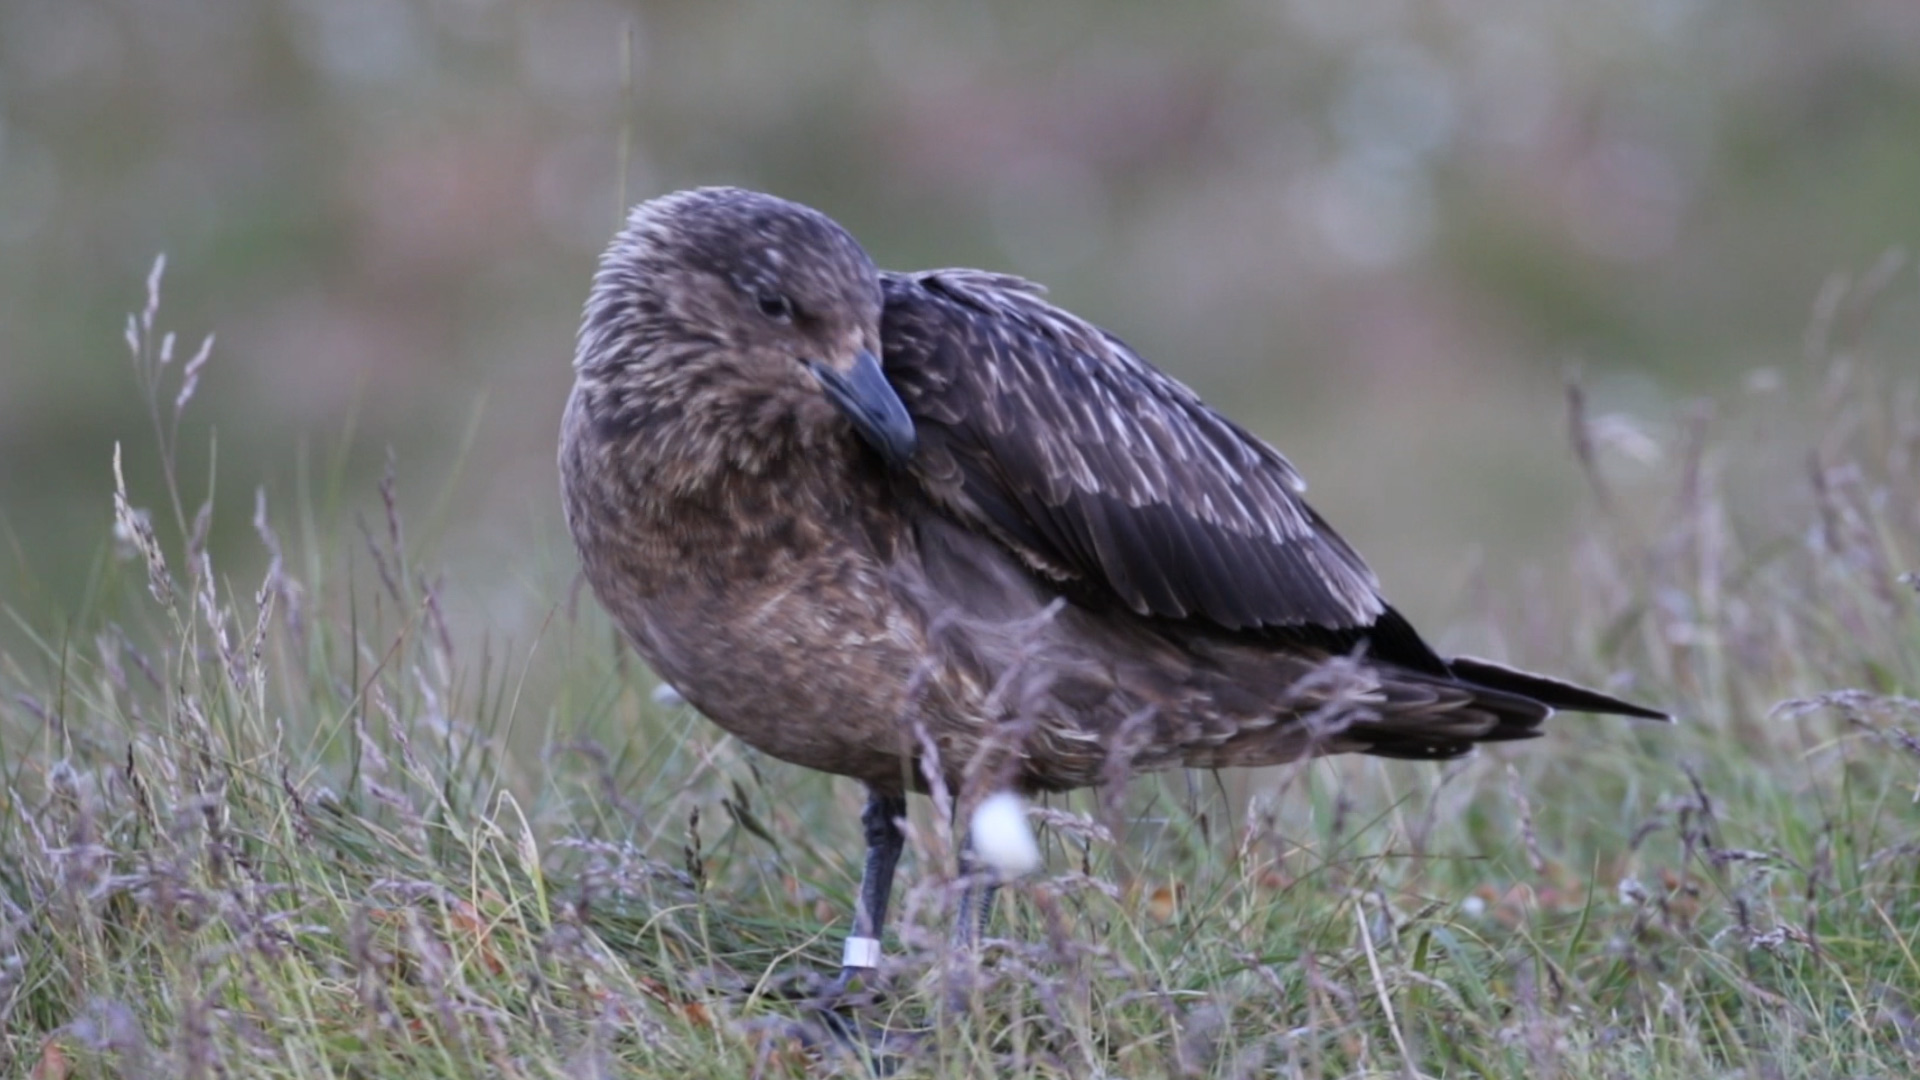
[1378,232]
[309,828]
[344,775]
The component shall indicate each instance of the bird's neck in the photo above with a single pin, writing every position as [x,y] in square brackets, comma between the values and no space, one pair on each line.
[705,481]
[679,436]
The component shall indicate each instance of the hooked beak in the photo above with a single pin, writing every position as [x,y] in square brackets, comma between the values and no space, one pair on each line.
[864,395]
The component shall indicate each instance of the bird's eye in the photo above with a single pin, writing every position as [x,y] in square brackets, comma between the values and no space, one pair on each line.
[777,307]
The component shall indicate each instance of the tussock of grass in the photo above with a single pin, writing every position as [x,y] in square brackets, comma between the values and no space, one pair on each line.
[289,829]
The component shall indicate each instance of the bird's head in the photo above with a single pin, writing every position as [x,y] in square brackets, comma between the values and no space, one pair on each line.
[741,308]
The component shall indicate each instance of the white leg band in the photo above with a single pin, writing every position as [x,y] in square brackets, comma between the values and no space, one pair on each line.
[861,952]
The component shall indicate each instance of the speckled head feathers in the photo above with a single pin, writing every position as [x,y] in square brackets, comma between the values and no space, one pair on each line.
[727,328]
[728,268]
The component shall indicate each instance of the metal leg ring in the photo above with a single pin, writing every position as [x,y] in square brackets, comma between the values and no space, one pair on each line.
[861,952]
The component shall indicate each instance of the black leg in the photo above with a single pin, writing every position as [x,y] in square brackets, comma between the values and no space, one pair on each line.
[976,904]
[884,842]
[981,883]
[881,821]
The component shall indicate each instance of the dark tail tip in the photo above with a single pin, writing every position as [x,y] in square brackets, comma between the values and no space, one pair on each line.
[1549,692]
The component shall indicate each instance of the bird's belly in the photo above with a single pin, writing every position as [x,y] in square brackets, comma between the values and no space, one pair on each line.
[810,664]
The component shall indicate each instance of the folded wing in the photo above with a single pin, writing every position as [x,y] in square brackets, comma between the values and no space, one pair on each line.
[1110,477]
[1120,485]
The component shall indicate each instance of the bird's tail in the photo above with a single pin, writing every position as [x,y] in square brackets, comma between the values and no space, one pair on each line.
[1504,705]
[1553,693]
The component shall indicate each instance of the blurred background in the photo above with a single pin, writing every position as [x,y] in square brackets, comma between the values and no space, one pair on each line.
[1378,232]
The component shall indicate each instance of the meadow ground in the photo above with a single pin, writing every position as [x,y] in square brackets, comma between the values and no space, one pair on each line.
[289,826]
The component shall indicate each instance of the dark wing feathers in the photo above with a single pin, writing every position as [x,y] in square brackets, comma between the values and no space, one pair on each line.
[1486,675]
[1099,470]
[1120,484]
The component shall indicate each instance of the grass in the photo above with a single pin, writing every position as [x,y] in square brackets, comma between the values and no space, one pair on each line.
[294,828]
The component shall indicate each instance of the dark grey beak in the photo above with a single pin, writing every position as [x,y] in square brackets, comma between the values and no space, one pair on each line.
[867,399]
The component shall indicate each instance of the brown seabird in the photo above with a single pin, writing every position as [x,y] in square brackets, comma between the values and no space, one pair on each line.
[897,526]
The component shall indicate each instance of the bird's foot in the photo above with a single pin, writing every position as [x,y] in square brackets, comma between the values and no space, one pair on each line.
[840,1014]
[857,959]
[843,984]
[879,1048]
